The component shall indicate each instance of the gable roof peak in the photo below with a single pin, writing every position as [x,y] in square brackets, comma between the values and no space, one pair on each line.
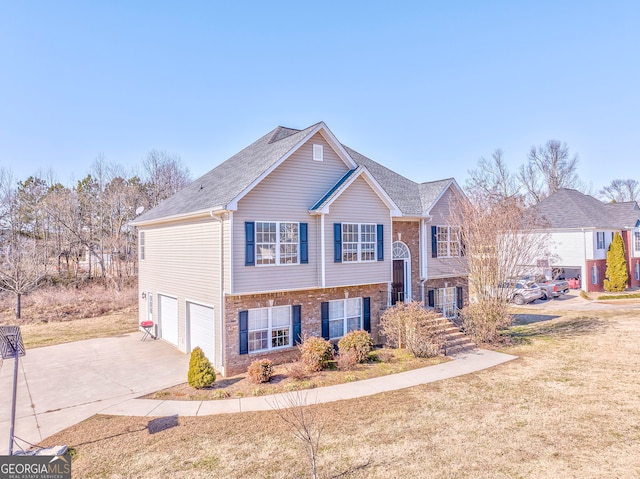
[282,132]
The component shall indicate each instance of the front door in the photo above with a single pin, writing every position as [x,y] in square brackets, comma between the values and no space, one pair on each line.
[397,286]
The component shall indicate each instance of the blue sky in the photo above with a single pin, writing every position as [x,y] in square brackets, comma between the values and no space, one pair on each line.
[425,88]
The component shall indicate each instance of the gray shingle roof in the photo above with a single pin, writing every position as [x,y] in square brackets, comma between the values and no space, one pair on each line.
[569,208]
[221,185]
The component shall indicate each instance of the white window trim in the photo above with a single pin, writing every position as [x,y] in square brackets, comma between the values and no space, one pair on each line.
[270,329]
[599,244]
[318,152]
[359,243]
[142,249]
[345,317]
[636,242]
[595,274]
[448,241]
[277,249]
[637,271]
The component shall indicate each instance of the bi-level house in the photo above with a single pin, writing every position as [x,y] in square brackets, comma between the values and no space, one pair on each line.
[294,235]
[580,229]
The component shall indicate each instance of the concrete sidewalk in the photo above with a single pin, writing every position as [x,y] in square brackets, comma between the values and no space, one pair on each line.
[465,363]
[59,386]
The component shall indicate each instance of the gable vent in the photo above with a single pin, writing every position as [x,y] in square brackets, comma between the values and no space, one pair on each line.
[318,154]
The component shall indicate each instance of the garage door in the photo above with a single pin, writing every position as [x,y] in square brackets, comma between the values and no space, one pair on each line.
[168,319]
[201,328]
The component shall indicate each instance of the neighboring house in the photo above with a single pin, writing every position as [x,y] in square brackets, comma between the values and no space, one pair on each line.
[295,235]
[580,229]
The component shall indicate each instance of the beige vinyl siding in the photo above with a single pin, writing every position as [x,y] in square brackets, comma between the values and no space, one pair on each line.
[442,267]
[286,194]
[358,204]
[182,261]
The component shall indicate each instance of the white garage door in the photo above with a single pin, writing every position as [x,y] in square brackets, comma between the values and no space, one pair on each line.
[201,328]
[169,319]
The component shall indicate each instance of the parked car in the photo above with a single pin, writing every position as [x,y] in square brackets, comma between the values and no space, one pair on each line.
[521,291]
[551,288]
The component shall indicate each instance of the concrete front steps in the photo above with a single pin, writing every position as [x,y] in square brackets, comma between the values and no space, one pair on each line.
[455,340]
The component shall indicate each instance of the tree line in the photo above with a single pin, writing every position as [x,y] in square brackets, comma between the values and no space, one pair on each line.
[48,230]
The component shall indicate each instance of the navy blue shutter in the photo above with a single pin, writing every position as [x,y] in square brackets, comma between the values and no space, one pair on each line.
[324,314]
[244,332]
[380,237]
[337,242]
[250,243]
[297,323]
[366,314]
[459,297]
[434,242]
[432,298]
[304,244]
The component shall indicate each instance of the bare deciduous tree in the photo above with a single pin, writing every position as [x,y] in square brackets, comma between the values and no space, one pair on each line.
[164,175]
[549,168]
[622,190]
[492,179]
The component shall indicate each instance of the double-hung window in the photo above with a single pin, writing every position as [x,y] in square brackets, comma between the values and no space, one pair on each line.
[636,242]
[277,242]
[594,274]
[637,271]
[448,241]
[269,328]
[358,242]
[344,315]
[142,245]
[600,239]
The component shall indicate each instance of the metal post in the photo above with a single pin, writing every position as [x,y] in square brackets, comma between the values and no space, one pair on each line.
[13,400]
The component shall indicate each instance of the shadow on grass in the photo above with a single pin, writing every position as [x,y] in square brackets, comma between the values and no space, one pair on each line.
[524,332]
[523,319]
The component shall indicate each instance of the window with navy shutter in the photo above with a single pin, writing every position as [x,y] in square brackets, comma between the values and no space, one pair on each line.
[297,323]
[434,241]
[324,314]
[337,242]
[380,238]
[366,314]
[250,243]
[244,331]
[304,243]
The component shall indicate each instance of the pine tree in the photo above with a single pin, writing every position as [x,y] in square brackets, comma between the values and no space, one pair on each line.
[616,274]
[201,373]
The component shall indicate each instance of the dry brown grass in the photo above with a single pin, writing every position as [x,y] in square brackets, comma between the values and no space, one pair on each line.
[57,314]
[283,380]
[568,408]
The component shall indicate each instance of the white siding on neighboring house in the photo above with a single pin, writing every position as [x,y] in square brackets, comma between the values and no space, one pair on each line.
[441,216]
[358,204]
[285,195]
[569,248]
[601,253]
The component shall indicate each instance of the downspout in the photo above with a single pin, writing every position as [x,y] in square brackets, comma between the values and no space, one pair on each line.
[221,280]
[423,259]
[322,254]
[585,274]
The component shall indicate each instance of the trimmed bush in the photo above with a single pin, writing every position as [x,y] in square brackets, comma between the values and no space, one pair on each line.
[260,371]
[413,327]
[357,341]
[483,320]
[315,353]
[201,373]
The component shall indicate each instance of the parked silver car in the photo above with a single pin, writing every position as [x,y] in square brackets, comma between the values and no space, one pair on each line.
[521,291]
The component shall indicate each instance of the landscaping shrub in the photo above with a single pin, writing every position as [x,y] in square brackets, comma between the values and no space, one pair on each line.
[347,359]
[357,341]
[201,373]
[412,327]
[483,320]
[260,370]
[616,273]
[297,370]
[315,353]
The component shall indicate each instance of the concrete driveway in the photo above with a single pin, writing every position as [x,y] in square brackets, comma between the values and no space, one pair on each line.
[59,386]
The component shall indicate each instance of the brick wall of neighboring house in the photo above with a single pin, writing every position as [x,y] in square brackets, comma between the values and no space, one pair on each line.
[310,300]
[409,233]
[448,282]
[587,283]
[627,239]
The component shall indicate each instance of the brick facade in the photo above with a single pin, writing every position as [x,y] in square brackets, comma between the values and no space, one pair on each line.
[587,283]
[409,233]
[448,283]
[310,300]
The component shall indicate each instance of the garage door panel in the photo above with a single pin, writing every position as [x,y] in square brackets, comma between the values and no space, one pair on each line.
[168,319]
[201,328]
